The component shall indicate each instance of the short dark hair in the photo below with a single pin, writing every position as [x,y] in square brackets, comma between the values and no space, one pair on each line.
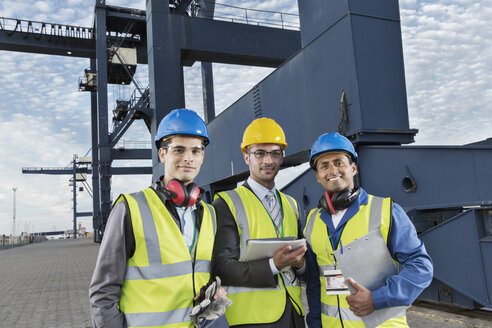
[167,140]
[351,160]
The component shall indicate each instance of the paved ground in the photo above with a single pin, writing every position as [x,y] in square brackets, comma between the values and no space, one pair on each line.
[46,285]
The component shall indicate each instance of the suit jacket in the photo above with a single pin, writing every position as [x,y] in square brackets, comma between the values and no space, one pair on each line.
[232,272]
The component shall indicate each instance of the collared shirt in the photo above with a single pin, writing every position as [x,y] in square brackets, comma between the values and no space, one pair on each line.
[261,192]
[187,217]
[337,217]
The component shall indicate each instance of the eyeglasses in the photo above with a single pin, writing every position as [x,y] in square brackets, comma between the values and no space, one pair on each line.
[179,150]
[259,154]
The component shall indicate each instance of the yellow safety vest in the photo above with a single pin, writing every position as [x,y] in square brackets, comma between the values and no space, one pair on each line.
[161,278]
[261,305]
[375,215]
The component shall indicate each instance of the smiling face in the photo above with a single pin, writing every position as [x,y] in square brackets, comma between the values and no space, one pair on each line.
[264,170]
[182,158]
[335,172]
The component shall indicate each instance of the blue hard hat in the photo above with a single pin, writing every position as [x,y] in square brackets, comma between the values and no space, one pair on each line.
[329,142]
[182,121]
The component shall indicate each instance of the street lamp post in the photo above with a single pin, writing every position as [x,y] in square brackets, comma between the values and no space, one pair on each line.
[13,220]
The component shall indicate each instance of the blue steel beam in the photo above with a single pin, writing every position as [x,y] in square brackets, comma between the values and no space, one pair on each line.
[103,144]
[359,55]
[165,71]
[207,74]
[84,214]
[437,171]
[232,43]
[74,193]
[55,170]
[118,17]
[47,44]
[131,170]
[467,237]
[97,222]
[120,154]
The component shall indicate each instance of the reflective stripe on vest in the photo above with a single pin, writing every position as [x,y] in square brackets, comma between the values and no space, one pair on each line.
[332,311]
[158,289]
[260,305]
[159,318]
[375,215]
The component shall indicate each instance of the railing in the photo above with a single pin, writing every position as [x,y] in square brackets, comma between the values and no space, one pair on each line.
[15,241]
[123,144]
[254,16]
[135,98]
[11,25]
[62,168]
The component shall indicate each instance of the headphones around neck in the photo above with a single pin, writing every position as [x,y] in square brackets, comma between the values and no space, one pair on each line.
[339,201]
[181,194]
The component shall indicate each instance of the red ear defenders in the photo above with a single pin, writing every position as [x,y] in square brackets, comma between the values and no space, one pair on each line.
[181,194]
[339,201]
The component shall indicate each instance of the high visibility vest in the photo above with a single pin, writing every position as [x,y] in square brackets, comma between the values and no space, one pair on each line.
[375,215]
[261,305]
[161,278]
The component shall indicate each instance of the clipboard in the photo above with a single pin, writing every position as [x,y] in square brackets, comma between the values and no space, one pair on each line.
[368,261]
[257,249]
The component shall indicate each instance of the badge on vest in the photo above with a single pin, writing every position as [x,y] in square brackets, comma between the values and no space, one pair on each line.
[335,283]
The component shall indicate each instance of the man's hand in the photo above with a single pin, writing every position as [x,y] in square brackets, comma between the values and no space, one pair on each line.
[221,292]
[213,287]
[213,304]
[287,257]
[360,302]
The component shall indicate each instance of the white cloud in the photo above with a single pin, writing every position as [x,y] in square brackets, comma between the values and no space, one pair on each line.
[43,6]
[448,69]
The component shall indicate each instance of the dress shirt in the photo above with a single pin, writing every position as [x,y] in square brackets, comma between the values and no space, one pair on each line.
[187,218]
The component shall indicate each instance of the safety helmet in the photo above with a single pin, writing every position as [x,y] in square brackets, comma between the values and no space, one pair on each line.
[263,130]
[329,142]
[182,121]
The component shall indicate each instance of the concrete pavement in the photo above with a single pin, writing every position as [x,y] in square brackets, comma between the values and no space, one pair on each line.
[46,285]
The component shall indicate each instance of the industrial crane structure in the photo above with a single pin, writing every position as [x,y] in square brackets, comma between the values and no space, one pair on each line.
[79,170]
[343,71]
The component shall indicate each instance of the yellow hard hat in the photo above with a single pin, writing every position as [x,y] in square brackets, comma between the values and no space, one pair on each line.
[263,130]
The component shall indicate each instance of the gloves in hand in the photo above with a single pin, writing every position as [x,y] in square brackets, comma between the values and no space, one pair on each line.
[210,309]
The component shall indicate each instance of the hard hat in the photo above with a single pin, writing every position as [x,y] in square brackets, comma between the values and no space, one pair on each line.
[329,142]
[263,130]
[182,121]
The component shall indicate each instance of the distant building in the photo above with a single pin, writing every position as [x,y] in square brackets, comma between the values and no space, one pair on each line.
[81,232]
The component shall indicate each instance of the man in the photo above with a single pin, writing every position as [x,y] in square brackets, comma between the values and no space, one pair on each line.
[265,292]
[157,247]
[345,214]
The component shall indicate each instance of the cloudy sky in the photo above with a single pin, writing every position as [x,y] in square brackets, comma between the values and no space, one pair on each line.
[44,120]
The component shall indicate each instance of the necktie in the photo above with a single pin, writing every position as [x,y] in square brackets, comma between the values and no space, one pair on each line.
[274,210]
